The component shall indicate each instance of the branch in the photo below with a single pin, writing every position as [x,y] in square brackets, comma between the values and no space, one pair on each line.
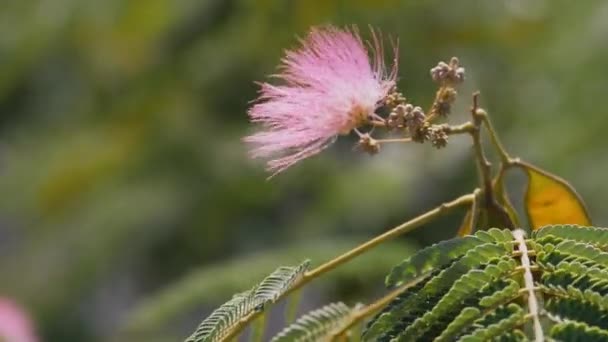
[467,226]
[484,166]
[467,127]
[401,229]
[505,158]
[394,140]
[482,162]
[344,258]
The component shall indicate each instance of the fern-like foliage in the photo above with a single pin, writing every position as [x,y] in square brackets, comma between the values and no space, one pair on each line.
[279,281]
[219,323]
[317,325]
[497,284]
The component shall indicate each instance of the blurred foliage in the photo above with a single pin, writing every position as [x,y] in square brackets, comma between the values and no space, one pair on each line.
[214,284]
[122,169]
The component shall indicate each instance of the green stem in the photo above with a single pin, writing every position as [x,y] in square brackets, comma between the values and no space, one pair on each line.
[344,258]
[473,214]
[396,140]
[505,158]
[467,127]
[484,166]
[475,210]
[371,309]
[432,112]
[401,229]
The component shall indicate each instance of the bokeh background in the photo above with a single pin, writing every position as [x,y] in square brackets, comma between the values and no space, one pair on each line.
[128,207]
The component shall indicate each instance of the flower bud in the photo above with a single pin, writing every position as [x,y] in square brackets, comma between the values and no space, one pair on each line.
[368,144]
[451,73]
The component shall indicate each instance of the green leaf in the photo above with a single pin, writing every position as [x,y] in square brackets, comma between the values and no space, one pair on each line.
[593,235]
[464,290]
[477,293]
[575,309]
[464,318]
[278,282]
[495,235]
[406,308]
[204,286]
[509,291]
[394,312]
[583,250]
[316,325]
[219,323]
[484,333]
[215,326]
[577,331]
[577,267]
[430,258]
[581,287]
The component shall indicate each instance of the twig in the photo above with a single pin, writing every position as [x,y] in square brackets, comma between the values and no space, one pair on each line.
[506,161]
[433,113]
[344,258]
[467,127]
[475,210]
[505,158]
[473,215]
[401,229]
[482,162]
[484,166]
[396,140]
[377,123]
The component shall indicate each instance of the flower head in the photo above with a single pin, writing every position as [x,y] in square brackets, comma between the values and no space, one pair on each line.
[331,85]
[15,325]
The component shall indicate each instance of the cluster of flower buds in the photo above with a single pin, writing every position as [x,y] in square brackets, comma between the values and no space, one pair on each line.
[437,135]
[368,144]
[394,98]
[451,73]
[406,116]
[447,75]
[414,117]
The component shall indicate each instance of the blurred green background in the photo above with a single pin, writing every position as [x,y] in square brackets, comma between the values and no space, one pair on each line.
[128,207]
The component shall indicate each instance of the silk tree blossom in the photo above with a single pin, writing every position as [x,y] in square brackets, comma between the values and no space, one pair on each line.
[331,85]
[15,325]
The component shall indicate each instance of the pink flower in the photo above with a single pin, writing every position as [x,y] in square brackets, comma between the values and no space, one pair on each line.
[331,85]
[15,325]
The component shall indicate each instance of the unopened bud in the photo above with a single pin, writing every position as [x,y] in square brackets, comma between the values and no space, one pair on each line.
[448,73]
[394,98]
[414,119]
[395,120]
[368,144]
[438,136]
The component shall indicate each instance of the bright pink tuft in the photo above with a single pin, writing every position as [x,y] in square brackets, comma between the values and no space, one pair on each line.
[331,86]
[15,325]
